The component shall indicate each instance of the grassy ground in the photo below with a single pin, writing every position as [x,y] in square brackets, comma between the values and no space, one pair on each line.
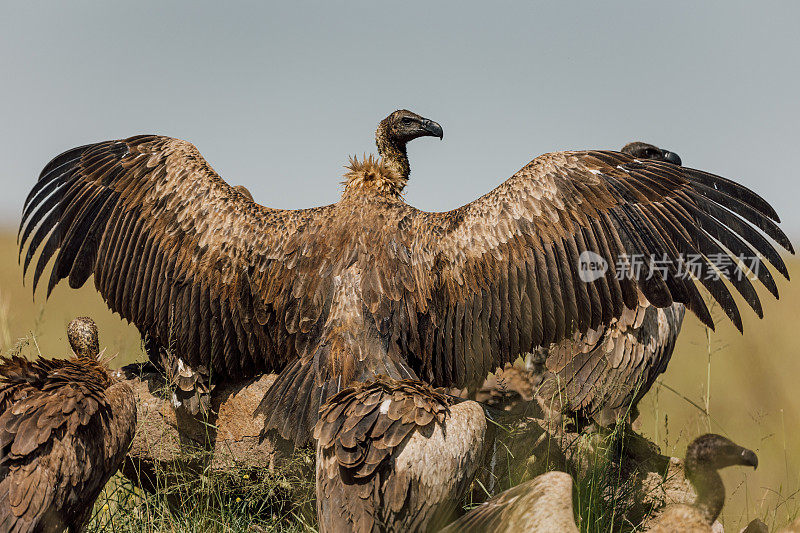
[753,399]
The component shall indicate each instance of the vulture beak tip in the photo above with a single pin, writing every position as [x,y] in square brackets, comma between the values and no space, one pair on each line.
[434,129]
[750,458]
[672,157]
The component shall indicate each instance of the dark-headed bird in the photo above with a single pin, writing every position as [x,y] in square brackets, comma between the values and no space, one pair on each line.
[704,456]
[541,505]
[65,427]
[370,285]
[396,456]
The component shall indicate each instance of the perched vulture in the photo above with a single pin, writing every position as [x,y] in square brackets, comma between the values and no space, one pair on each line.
[543,505]
[396,456]
[370,285]
[704,456]
[65,427]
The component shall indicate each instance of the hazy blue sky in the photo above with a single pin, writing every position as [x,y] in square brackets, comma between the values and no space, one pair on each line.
[277,96]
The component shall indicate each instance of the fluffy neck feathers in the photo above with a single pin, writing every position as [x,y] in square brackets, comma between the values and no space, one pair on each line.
[372,175]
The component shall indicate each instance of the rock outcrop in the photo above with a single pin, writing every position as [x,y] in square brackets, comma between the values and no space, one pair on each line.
[170,443]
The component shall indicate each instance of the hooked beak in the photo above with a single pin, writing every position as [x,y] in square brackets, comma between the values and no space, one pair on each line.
[749,458]
[672,157]
[433,128]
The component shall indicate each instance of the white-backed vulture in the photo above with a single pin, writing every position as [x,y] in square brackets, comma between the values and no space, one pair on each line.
[396,456]
[65,427]
[370,285]
[541,505]
[704,456]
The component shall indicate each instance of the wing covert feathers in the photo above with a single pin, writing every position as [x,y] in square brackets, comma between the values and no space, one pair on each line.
[174,249]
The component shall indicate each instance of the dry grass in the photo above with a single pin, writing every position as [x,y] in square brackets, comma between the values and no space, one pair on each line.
[754,398]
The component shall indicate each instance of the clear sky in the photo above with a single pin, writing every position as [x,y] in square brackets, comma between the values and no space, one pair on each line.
[276,96]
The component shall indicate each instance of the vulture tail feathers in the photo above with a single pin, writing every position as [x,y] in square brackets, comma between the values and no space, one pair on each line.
[291,405]
[280,407]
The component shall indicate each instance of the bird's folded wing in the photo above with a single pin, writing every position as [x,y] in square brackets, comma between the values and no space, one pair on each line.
[47,406]
[522,266]
[177,251]
[359,433]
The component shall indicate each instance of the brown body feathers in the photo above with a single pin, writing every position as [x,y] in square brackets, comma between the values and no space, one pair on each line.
[395,456]
[371,285]
[65,427]
[604,372]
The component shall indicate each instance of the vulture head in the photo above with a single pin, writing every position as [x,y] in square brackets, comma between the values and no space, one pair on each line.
[403,126]
[704,456]
[82,335]
[398,129]
[712,452]
[649,151]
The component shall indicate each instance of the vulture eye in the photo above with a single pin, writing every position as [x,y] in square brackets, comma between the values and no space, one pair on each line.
[407,120]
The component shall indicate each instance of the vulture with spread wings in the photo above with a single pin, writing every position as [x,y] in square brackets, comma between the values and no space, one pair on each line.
[370,285]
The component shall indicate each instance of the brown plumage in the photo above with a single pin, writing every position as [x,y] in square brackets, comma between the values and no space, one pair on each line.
[65,427]
[603,373]
[543,505]
[371,285]
[704,456]
[244,191]
[395,456]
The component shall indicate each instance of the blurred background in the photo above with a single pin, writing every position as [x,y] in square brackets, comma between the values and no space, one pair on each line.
[277,97]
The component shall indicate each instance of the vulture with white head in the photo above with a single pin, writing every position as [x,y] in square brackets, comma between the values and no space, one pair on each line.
[370,285]
[65,427]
